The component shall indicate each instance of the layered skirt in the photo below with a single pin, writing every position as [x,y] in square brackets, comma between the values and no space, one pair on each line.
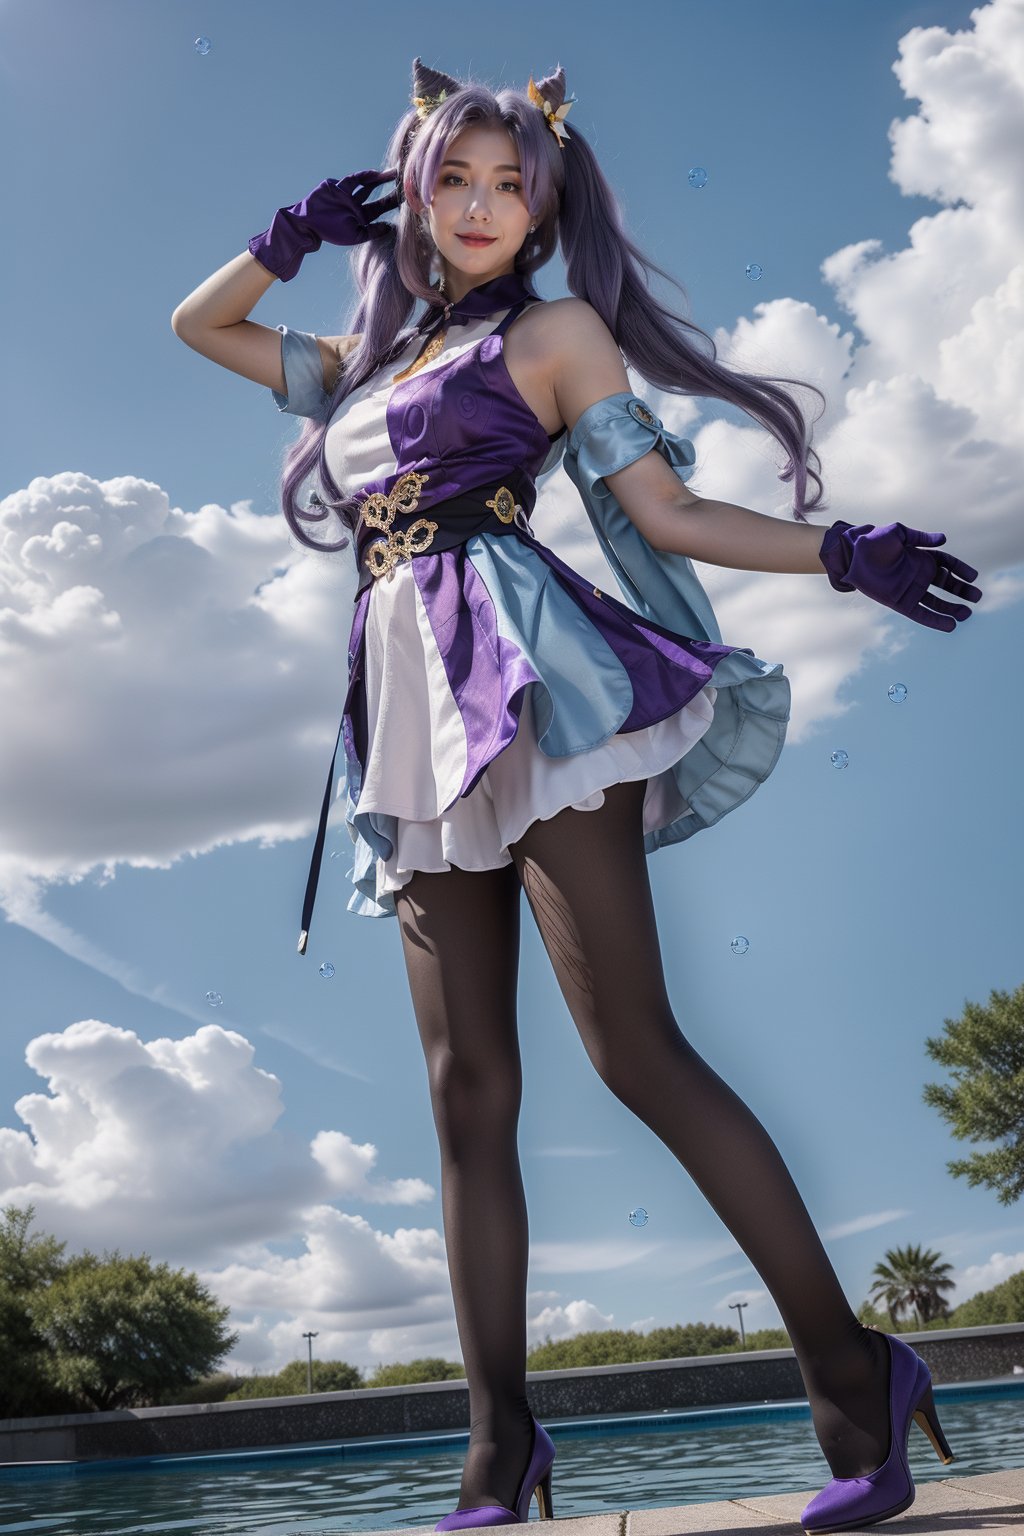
[490,686]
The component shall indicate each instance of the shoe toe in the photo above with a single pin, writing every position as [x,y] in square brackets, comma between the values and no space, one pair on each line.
[481,1514]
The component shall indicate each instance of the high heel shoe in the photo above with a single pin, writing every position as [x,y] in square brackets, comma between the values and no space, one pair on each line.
[855,1501]
[536,1479]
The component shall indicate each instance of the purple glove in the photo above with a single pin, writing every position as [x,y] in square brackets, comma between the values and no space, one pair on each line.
[334,211]
[884,564]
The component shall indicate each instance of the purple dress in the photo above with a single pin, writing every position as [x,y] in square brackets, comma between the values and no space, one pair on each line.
[490,685]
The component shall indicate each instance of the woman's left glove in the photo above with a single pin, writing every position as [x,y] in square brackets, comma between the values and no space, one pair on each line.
[885,564]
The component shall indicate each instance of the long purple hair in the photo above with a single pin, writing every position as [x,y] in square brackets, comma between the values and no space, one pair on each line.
[572,204]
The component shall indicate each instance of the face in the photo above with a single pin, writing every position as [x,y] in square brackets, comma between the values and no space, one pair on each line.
[481,195]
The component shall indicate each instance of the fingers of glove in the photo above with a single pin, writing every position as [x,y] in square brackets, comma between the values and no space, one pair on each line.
[957,567]
[384,204]
[917,536]
[940,605]
[923,615]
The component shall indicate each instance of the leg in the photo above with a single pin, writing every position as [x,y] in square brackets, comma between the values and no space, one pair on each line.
[460,936]
[585,874]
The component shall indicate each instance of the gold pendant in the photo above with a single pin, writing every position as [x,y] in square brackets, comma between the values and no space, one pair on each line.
[430,351]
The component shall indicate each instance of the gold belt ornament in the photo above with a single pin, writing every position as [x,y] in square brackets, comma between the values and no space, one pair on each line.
[379,510]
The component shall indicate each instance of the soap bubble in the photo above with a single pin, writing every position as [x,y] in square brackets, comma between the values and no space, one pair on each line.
[327,969]
[638,1218]
[214,999]
[839,758]
[754,270]
[202,45]
[898,692]
[740,944]
[698,177]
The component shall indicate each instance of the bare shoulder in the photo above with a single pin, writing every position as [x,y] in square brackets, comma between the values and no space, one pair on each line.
[581,358]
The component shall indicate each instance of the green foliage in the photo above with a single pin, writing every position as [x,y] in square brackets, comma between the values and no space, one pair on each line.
[89,1332]
[984,1050]
[428,1368]
[292,1381]
[1004,1303]
[912,1278]
[27,1264]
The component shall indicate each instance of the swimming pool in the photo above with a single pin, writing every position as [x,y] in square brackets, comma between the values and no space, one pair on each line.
[640,1462]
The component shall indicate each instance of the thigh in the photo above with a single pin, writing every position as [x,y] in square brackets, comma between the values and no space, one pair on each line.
[460,938]
[585,876]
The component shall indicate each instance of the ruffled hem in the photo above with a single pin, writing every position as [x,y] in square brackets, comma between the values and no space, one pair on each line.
[522,785]
[561,691]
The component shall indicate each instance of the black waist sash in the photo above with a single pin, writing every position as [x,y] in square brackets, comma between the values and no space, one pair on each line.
[457,519]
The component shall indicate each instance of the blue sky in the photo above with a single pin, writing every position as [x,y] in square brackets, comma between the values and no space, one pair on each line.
[171,668]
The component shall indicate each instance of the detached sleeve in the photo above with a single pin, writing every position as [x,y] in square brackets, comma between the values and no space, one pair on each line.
[303,375]
[661,585]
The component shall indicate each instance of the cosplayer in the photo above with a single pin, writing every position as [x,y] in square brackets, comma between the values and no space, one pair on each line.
[509,726]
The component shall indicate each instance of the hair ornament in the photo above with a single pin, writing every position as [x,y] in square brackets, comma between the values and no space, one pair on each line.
[554,115]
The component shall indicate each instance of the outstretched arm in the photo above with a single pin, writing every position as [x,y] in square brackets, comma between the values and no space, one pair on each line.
[584,365]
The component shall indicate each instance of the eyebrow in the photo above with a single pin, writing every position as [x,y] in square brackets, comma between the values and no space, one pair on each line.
[466,164]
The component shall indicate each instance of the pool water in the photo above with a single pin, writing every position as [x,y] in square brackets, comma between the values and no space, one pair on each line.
[602,1464]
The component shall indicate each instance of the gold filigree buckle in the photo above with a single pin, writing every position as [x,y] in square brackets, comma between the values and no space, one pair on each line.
[379,511]
[503,504]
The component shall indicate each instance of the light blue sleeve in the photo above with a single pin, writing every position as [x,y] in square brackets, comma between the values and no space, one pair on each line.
[303,375]
[662,586]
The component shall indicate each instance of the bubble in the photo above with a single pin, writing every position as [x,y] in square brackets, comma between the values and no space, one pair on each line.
[839,758]
[698,177]
[202,45]
[638,1218]
[214,999]
[898,692]
[740,944]
[754,270]
[327,969]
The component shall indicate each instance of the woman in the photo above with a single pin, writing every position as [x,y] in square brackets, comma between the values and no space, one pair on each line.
[494,695]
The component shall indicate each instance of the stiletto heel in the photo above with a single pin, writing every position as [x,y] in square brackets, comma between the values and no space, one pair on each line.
[536,1479]
[928,1420]
[850,1502]
[544,1497]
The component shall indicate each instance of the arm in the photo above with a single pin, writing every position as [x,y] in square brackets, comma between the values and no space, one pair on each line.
[211,320]
[585,366]
[721,533]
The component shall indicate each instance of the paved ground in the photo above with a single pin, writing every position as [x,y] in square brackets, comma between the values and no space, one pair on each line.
[990,1501]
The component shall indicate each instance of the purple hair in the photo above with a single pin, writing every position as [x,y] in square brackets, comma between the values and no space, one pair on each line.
[572,203]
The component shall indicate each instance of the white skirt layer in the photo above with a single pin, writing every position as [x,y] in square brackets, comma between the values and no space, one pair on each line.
[417,755]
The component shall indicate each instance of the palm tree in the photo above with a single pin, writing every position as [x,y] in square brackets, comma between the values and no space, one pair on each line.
[909,1279]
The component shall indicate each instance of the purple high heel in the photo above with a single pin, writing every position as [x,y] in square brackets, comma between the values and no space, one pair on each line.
[536,1478]
[850,1502]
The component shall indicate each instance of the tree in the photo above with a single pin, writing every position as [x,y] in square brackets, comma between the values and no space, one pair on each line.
[27,1264]
[121,1330]
[985,1052]
[912,1278]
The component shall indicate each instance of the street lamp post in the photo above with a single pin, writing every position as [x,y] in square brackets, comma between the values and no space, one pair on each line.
[309,1368]
[738,1305]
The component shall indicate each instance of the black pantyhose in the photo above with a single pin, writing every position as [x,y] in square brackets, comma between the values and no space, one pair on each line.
[586,879]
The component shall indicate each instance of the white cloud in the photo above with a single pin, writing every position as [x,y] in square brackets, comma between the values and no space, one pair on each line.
[866,1223]
[173,1146]
[925,404]
[982,1277]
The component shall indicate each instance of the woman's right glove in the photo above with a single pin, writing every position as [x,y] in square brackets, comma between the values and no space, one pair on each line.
[335,211]
[884,564]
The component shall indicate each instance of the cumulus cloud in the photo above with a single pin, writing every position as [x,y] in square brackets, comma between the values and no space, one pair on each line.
[924,389]
[173,1146]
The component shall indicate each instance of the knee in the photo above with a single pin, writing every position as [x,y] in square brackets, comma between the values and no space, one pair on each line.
[475,1098]
[633,1061]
